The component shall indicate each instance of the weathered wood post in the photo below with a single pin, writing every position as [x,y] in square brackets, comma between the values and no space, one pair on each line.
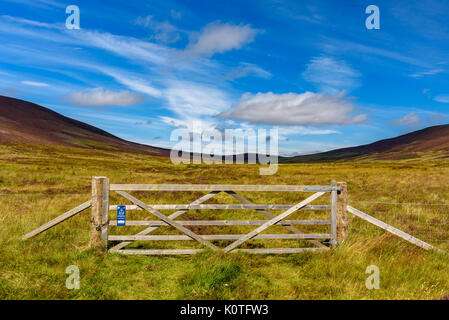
[342,217]
[334,213]
[100,213]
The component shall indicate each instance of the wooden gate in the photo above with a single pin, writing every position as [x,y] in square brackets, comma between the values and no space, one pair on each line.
[320,241]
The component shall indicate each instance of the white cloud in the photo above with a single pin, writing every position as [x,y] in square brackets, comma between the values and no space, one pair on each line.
[190,99]
[145,21]
[300,130]
[34,83]
[101,97]
[157,61]
[140,123]
[191,124]
[162,31]
[133,83]
[308,109]
[139,85]
[367,52]
[174,122]
[245,69]
[29,22]
[219,38]
[443,98]
[421,74]
[298,10]
[189,85]
[45,4]
[127,47]
[410,119]
[330,75]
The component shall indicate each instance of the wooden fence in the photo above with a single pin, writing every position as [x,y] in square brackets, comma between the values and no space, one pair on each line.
[336,219]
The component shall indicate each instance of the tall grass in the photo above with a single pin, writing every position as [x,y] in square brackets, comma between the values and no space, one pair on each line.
[40,183]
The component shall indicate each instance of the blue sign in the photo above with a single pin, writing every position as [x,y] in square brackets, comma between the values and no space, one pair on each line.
[121,215]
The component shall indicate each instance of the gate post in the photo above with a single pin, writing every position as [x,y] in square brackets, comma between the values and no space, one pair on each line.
[333,217]
[100,213]
[342,218]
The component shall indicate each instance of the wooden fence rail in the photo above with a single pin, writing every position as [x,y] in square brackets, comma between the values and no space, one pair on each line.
[58,220]
[391,229]
[154,223]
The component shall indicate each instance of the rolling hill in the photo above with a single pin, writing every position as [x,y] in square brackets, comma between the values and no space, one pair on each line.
[28,123]
[431,142]
[23,122]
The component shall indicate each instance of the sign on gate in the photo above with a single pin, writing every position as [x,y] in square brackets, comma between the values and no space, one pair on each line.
[121,215]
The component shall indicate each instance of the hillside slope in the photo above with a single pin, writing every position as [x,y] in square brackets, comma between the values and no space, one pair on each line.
[431,142]
[23,122]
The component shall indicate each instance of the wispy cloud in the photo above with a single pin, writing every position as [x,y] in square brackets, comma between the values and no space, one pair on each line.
[411,119]
[103,97]
[163,31]
[29,22]
[245,69]
[421,74]
[44,4]
[191,124]
[299,11]
[308,109]
[443,98]
[220,37]
[189,99]
[432,14]
[436,118]
[147,123]
[365,51]
[300,130]
[34,83]
[127,47]
[330,75]
[133,82]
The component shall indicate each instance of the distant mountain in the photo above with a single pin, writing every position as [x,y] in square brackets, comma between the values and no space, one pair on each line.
[28,123]
[431,142]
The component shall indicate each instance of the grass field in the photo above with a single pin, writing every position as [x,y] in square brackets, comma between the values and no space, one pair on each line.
[37,184]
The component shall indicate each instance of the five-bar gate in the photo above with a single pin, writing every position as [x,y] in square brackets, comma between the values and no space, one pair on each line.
[101,211]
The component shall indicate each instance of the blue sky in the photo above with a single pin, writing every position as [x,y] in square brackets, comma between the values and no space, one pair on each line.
[140,69]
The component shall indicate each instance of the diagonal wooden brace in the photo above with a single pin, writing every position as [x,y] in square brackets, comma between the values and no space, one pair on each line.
[58,219]
[271,216]
[273,221]
[172,216]
[169,221]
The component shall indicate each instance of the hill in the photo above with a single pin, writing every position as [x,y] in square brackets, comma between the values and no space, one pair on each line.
[431,142]
[28,123]
[23,122]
